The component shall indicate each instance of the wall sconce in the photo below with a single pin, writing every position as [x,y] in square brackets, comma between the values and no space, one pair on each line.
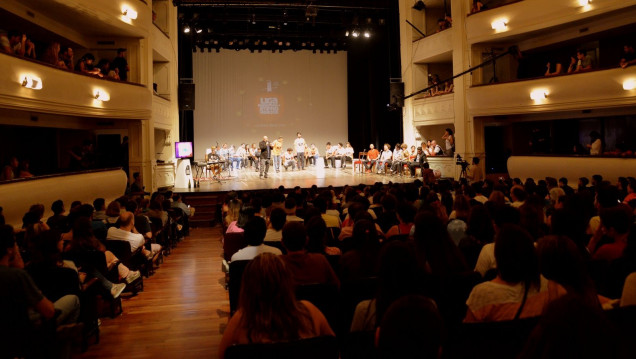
[32,82]
[629,84]
[499,24]
[539,95]
[584,2]
[101,95]
[128,12]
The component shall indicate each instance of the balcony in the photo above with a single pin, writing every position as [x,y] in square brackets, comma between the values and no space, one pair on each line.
[434,110]
[434,48]
[594,89]
[162,112]
[69,93]
[537,16]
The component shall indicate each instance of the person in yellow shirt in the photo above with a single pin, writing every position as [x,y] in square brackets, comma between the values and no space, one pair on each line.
[276,152]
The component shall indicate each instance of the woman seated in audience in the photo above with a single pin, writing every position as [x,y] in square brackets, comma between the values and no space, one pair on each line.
[23,170]
[405,216]
[52,55]
[398,276]
[85,65]
[233,209]
[518,291]
[84,241]
[361,260]
[112,213]
[277,219]
[480,231]
[316,237]
[461,208]
[245,214]
[156,211]
[268,310]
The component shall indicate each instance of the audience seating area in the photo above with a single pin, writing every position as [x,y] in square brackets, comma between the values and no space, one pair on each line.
[449,265]
[74,255]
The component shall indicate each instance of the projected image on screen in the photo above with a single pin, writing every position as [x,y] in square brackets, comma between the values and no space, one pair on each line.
[243,96]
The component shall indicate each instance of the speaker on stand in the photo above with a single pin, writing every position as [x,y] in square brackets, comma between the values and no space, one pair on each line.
[186,96]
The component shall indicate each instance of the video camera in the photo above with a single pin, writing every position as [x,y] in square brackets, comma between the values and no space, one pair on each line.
[461,162]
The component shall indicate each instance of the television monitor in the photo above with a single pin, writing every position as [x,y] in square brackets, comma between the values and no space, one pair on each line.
[183,149]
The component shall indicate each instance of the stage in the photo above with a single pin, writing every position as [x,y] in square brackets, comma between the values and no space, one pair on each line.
[247,179]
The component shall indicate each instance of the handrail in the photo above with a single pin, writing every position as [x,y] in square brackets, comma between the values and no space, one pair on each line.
[494,7]
[72,72]
[546,77]
[62,174]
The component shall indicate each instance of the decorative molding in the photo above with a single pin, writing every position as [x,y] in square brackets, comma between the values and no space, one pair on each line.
[432,110]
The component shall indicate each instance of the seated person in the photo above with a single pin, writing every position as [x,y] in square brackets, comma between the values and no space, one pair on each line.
[348,153]
[85,65]
[340,154]
[372,158]
[20,292]
[128,232]
[435,149]
[254,234]
[306,268]
[385,158]
[518,291]
[313,154]
[330,155]
[317,238]
[416,161]
[289,160]
[268,310]
[615,223]
[397,158]
[58,221]
[583,62]
[406,215]
[411,328]
[330,220]
[290,209]
[99,205]
[20,45]
[277,220]
[629,56]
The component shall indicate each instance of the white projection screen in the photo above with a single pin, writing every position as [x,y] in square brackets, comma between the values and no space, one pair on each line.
[242,96]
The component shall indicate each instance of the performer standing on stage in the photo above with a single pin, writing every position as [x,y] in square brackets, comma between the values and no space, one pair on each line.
[300,145]
[276,152]
[266,153]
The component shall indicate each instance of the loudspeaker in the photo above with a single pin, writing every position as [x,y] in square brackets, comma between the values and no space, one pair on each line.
[397,94]
[186,96]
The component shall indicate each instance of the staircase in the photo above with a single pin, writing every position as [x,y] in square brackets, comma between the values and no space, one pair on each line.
[207,207]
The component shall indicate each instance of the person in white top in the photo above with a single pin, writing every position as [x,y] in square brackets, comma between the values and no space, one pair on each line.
[313,154]
[330,155]
[348,154]
[254,234]
[341,155]
[300,145]
[127,232]
[385,158]
[288,160]
[596,144]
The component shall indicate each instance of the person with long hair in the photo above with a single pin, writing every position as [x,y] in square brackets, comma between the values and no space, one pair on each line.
[268,310]
[518,291]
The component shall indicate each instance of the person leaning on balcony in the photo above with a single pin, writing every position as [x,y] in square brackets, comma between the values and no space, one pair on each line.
[629,56]
[20,45]
[584,61]
[86,65]
[121,64]
[558,68]
[477,6]
[596,143]
[67,58]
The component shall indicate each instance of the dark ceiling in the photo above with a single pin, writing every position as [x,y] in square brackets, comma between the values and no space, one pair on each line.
[325,25]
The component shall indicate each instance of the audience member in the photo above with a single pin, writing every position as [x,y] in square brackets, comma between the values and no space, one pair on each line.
[121,65]
[85,65]
[254,234]
[629,56]
[58,220]
[268,310]
[615,224]
[20,45]
[128,232]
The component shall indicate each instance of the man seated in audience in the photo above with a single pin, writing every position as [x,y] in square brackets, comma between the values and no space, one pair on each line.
[412,327]
[277,220]
[290,209]
[563,183]
[331,221]
[372,157]
[428,176]
[615,224]
[128,232]
[142,222]
[629,56]
[67,58]
[518,197]
[20,45]
[583,61]
[100,209]
[254,234]
[306,268]
[58,221]
[19,289]
[177,201]
[631,191]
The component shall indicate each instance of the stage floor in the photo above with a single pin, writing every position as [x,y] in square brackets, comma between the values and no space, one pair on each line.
[248,179]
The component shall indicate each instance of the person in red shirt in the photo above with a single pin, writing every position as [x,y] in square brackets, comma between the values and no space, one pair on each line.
[306,268]
[631,191]
[372,158]
[615,223]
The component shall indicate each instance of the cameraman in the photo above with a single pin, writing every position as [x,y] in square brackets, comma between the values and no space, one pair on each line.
[475,173]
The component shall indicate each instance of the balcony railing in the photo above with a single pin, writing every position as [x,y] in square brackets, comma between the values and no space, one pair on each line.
[586,90]
[434,110]
[434,48]
[51,89]
[536,15]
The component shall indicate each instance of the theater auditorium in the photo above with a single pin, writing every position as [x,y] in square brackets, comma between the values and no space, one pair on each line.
[317,179]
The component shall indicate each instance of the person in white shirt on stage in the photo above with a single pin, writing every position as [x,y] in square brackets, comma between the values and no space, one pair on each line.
[300,145]
[340,155]
[385,158]
[288,160]
[330,155]
[313,154]
[397,158]
[348,153]
[239,157]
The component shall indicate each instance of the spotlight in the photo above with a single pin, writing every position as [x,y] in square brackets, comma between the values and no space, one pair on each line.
[253,19]
[198,30]
[280,43]
[419,5]
[539,95]
[303,44]
[186,29]
[367,34]
[326,44]
[287,43]
[101,95]
[347,33]
[355,33]
[264,43]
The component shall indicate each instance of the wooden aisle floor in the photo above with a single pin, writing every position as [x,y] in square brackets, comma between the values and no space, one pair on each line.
[180,314]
